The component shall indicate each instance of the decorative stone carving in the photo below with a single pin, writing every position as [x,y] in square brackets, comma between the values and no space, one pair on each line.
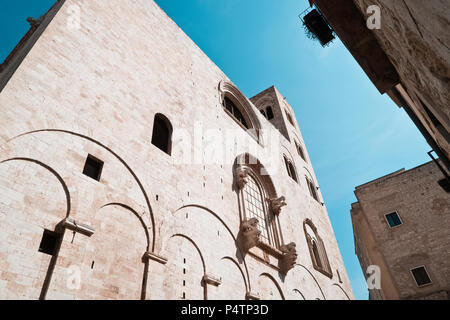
[241,175]
[276,204]
[289,258]
[249,234]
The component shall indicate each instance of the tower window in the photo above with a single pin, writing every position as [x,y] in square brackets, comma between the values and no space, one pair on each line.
[269,113]
[93,167]
[231,107]
[300,151]
[49,242]
[312,189]
[263,113]
[317,250]
[420,275]
[393,219]
[290,169]
[289,116]
[162,133]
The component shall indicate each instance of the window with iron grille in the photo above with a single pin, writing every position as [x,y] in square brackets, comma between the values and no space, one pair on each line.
[255,207]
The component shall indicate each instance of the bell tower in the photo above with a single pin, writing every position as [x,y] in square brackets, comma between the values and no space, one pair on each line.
[276,110]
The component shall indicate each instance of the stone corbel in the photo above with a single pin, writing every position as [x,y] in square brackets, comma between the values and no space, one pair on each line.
[252,296]
[249,235]
[209,279]
[289,258]
[152,256]
[241,176]
[82,228]
[277,204]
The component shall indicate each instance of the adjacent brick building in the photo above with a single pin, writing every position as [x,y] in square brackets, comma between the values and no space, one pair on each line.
[401,224]
[112,181]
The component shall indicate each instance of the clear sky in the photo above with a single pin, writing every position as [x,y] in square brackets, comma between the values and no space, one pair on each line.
[353,134]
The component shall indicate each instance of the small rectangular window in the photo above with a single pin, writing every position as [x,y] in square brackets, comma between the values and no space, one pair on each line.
[49,242]
[393,219]
[93,167]
[421,276]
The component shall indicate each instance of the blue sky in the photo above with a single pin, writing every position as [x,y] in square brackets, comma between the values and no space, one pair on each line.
[353,134]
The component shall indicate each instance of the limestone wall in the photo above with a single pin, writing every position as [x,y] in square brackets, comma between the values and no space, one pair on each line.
[95,90]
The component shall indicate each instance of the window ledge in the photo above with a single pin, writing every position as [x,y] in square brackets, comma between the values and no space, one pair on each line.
[271,250]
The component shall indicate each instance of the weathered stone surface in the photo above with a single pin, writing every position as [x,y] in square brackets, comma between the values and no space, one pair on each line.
[161,224]
[421,240]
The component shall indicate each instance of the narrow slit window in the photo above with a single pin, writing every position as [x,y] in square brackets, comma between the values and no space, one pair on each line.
[93,167]
[49,242]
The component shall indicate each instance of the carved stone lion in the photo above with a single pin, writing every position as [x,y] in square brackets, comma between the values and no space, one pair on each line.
[248,234]
[241,177]
[276,204]
[289,258]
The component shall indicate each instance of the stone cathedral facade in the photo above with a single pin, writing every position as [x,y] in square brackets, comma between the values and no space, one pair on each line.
[131,167]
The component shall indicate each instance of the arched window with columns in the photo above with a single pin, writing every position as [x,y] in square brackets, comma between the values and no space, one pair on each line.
[317,250]
[240,109]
